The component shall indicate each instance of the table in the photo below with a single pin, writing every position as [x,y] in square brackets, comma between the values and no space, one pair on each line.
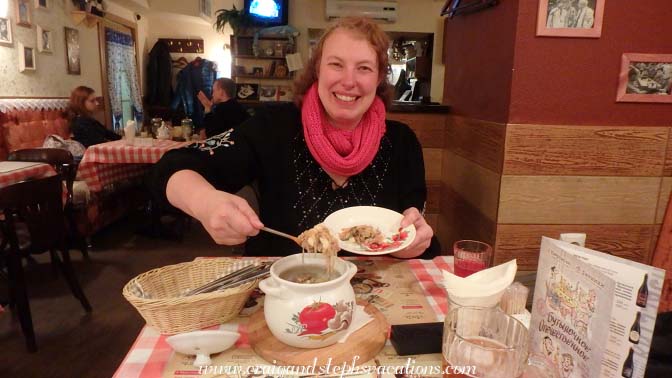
[12,172]
[107,163]
[150,353]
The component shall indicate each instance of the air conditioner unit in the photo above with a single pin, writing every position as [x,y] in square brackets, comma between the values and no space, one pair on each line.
[379,10]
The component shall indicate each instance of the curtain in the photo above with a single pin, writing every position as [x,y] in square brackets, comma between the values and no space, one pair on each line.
[121,67]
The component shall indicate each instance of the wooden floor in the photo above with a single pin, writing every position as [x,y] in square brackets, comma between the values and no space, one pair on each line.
[72,344]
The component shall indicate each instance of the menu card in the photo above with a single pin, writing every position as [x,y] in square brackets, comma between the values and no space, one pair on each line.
[593,314]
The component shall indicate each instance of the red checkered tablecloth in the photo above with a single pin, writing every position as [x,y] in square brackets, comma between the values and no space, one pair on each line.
[12,172]
[150,353]
[107,163]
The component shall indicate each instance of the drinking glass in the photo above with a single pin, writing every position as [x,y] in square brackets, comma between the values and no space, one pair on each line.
[484,343]
[471,256]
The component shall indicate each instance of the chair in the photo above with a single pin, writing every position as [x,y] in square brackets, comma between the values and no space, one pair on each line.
[63,162]
[38,206]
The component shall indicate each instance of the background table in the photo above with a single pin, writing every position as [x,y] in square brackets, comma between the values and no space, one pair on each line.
[150,353]
[107,163]
[12,172]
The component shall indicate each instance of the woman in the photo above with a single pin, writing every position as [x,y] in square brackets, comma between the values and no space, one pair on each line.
[332,149]
[85,129]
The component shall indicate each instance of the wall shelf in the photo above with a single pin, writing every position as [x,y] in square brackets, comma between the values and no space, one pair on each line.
[90,20]
[263,77]
[260,57]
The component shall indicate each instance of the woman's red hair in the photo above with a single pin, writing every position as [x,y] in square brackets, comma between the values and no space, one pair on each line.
[77,105]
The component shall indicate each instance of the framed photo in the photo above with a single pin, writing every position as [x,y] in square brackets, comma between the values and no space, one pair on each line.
[26,58]
[72,51]
[645,78]
[268,93]
[5,31]
[45,40]
[24,13]
[570,18]
[246,91]
[258,71]
[42,4]
[285,93]
[205,8]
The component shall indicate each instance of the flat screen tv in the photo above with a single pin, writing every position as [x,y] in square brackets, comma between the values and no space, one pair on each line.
[267,12]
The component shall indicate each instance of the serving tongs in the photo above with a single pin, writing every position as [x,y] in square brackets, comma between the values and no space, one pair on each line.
[238,277]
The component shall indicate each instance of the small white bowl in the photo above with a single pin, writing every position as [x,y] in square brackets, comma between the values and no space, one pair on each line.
[203,344]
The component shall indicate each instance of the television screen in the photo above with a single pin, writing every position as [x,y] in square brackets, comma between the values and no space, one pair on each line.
[267,12]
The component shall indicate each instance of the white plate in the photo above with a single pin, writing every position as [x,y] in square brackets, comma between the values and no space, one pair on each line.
[386,220]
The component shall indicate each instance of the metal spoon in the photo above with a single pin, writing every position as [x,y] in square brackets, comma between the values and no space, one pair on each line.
[288,236]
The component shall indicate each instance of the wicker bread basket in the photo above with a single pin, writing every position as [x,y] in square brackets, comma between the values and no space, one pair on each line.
[157,295]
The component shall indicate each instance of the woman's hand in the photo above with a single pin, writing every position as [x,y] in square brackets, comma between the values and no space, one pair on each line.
[423,234]
[229,219]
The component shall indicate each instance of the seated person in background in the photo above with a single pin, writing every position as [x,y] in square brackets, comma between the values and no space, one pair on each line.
[85,129]
[223,111]
[330,150]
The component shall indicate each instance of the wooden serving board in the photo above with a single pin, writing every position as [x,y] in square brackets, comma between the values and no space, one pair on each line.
[366,343]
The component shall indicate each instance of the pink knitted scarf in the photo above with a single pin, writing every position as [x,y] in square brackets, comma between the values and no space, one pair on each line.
[342,152]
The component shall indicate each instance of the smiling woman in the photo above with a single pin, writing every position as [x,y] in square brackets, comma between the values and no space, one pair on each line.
[331,149]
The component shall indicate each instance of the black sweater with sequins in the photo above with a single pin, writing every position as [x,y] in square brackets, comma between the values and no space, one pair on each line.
[295,193]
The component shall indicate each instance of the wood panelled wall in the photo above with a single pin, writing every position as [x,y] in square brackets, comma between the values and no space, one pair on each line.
[511,184]
[430,129]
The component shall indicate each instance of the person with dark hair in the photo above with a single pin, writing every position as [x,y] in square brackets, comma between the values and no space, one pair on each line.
[223,111]
[84,128]
[331,149]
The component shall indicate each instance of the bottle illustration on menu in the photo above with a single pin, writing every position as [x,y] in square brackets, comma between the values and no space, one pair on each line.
[635,330]
[628,367]
[643,293]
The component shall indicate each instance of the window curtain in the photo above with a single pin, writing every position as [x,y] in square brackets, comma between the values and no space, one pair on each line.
[121,66]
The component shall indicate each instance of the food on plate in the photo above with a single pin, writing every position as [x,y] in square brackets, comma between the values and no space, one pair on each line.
[371,238]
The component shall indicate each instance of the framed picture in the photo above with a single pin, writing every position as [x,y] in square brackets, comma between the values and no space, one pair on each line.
[645,78]
[205,8]
[246,91]
[268,93]
[5,31]
[42,4]
[45,41]
[26,58]
[285,93]
[24,15]
[570,18]
[72,51]
[258,71]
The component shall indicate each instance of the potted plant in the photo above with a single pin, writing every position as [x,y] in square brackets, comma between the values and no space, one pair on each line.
[236,17]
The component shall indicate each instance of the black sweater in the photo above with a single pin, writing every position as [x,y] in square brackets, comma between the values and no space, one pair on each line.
[224,116]
[295,193]
[88,131]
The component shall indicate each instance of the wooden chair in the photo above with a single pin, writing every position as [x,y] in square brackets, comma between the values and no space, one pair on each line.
[38,206]
[63,162]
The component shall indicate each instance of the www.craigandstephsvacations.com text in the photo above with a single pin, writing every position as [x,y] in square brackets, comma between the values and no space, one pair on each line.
[341,370]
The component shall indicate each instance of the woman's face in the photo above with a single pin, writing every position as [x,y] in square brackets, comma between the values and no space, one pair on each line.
[347,78]
[91,103]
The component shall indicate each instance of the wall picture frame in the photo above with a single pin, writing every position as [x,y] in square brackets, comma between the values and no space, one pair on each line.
[247,91]
[24,13]
[570,18]
[73,64]
[45,40]
[645,78]
[42,4]
[205,9]
[6,31]
[26,58]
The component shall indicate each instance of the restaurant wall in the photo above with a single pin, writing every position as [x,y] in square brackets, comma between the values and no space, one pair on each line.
[562,155]
[50,79]
[573,81]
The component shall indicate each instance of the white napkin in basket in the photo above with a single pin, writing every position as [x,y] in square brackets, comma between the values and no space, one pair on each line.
[359,319]
[482,289]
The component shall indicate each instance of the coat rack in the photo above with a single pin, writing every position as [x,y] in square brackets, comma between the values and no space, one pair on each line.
[175,45]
